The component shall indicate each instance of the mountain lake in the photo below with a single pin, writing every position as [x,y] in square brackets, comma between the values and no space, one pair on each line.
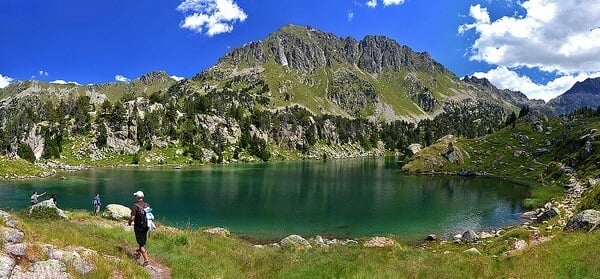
[267,201]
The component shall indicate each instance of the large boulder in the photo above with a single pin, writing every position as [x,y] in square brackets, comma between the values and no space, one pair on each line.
[379,241]
[295,241]
[586,220]
[47,209]
[218,231]
[7,263]
[547,214]
[470,236]
[43,269]
[11,235]
[415,148]
[15,249]
[453,154]
[472,251]
[117,212]
[75,257]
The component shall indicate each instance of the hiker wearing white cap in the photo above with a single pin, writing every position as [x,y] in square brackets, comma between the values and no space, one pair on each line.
[140,224]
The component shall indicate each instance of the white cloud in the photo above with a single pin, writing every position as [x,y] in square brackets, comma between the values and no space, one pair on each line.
[350,15]
[211,17]
[392,2]
[43,73]
[553,36]
[121,78]
[60,81]
[5,81]
[505,78]
[372,3]
[177,78]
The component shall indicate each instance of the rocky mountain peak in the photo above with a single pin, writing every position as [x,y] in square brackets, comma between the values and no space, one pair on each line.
[583,94]
[478,81]
[306,49]
[152,77]
[588,86]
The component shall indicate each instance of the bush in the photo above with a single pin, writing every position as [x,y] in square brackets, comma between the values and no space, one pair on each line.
[40,212]
[136,158]
[591,199]
[24,151]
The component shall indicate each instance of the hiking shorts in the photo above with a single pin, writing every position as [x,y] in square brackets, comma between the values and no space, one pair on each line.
[141,235]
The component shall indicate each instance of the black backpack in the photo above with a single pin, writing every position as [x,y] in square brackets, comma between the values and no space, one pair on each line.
[140,217]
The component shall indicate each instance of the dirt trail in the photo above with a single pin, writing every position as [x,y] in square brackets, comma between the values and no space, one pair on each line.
[155,268]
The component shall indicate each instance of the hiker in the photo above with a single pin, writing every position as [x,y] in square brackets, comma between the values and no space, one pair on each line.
[140,224]
[53,198]
[35,196]
[96,203]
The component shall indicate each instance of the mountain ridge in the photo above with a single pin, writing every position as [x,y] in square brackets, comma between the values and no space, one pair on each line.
[582,94]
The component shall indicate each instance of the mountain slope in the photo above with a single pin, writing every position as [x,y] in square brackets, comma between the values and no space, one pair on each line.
[375,77]
[583,94]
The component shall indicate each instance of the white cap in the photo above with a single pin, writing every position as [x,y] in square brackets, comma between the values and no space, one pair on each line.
[139,194]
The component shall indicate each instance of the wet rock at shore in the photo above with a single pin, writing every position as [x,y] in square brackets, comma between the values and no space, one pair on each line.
[587,220]
[485,235]
[547,215]
[431,237]
[470,236]
[117,212]
[320,242]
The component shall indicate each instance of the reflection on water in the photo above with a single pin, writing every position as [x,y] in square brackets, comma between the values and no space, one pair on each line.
[355,197]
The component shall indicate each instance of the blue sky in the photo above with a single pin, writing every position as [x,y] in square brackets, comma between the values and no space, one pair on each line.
[540,47]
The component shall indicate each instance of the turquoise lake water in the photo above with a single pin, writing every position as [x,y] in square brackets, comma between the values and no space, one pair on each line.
[342,198]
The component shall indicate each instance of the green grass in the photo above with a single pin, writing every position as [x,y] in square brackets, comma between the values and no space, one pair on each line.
[496,155]
[194,254]
[18,168]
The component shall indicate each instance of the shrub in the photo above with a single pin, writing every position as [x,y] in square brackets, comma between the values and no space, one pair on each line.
[24,151]
[40,212]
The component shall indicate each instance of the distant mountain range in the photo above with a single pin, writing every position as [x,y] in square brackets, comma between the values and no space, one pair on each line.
[583,94]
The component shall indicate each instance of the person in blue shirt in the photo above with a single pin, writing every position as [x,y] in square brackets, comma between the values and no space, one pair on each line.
[96,203]
[35,196]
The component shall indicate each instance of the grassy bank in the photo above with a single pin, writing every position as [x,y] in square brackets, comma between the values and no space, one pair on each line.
[195,254]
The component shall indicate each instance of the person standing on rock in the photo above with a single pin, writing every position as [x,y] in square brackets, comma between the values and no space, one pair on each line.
[140,224]
[97,204]
[53,198]
[35,196]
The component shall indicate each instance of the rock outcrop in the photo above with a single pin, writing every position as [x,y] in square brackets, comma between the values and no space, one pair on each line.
[583,94]
[587,220]
[218,231]
[295,241]
[57,262]
[47,208]
[379,241]
[117,212]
